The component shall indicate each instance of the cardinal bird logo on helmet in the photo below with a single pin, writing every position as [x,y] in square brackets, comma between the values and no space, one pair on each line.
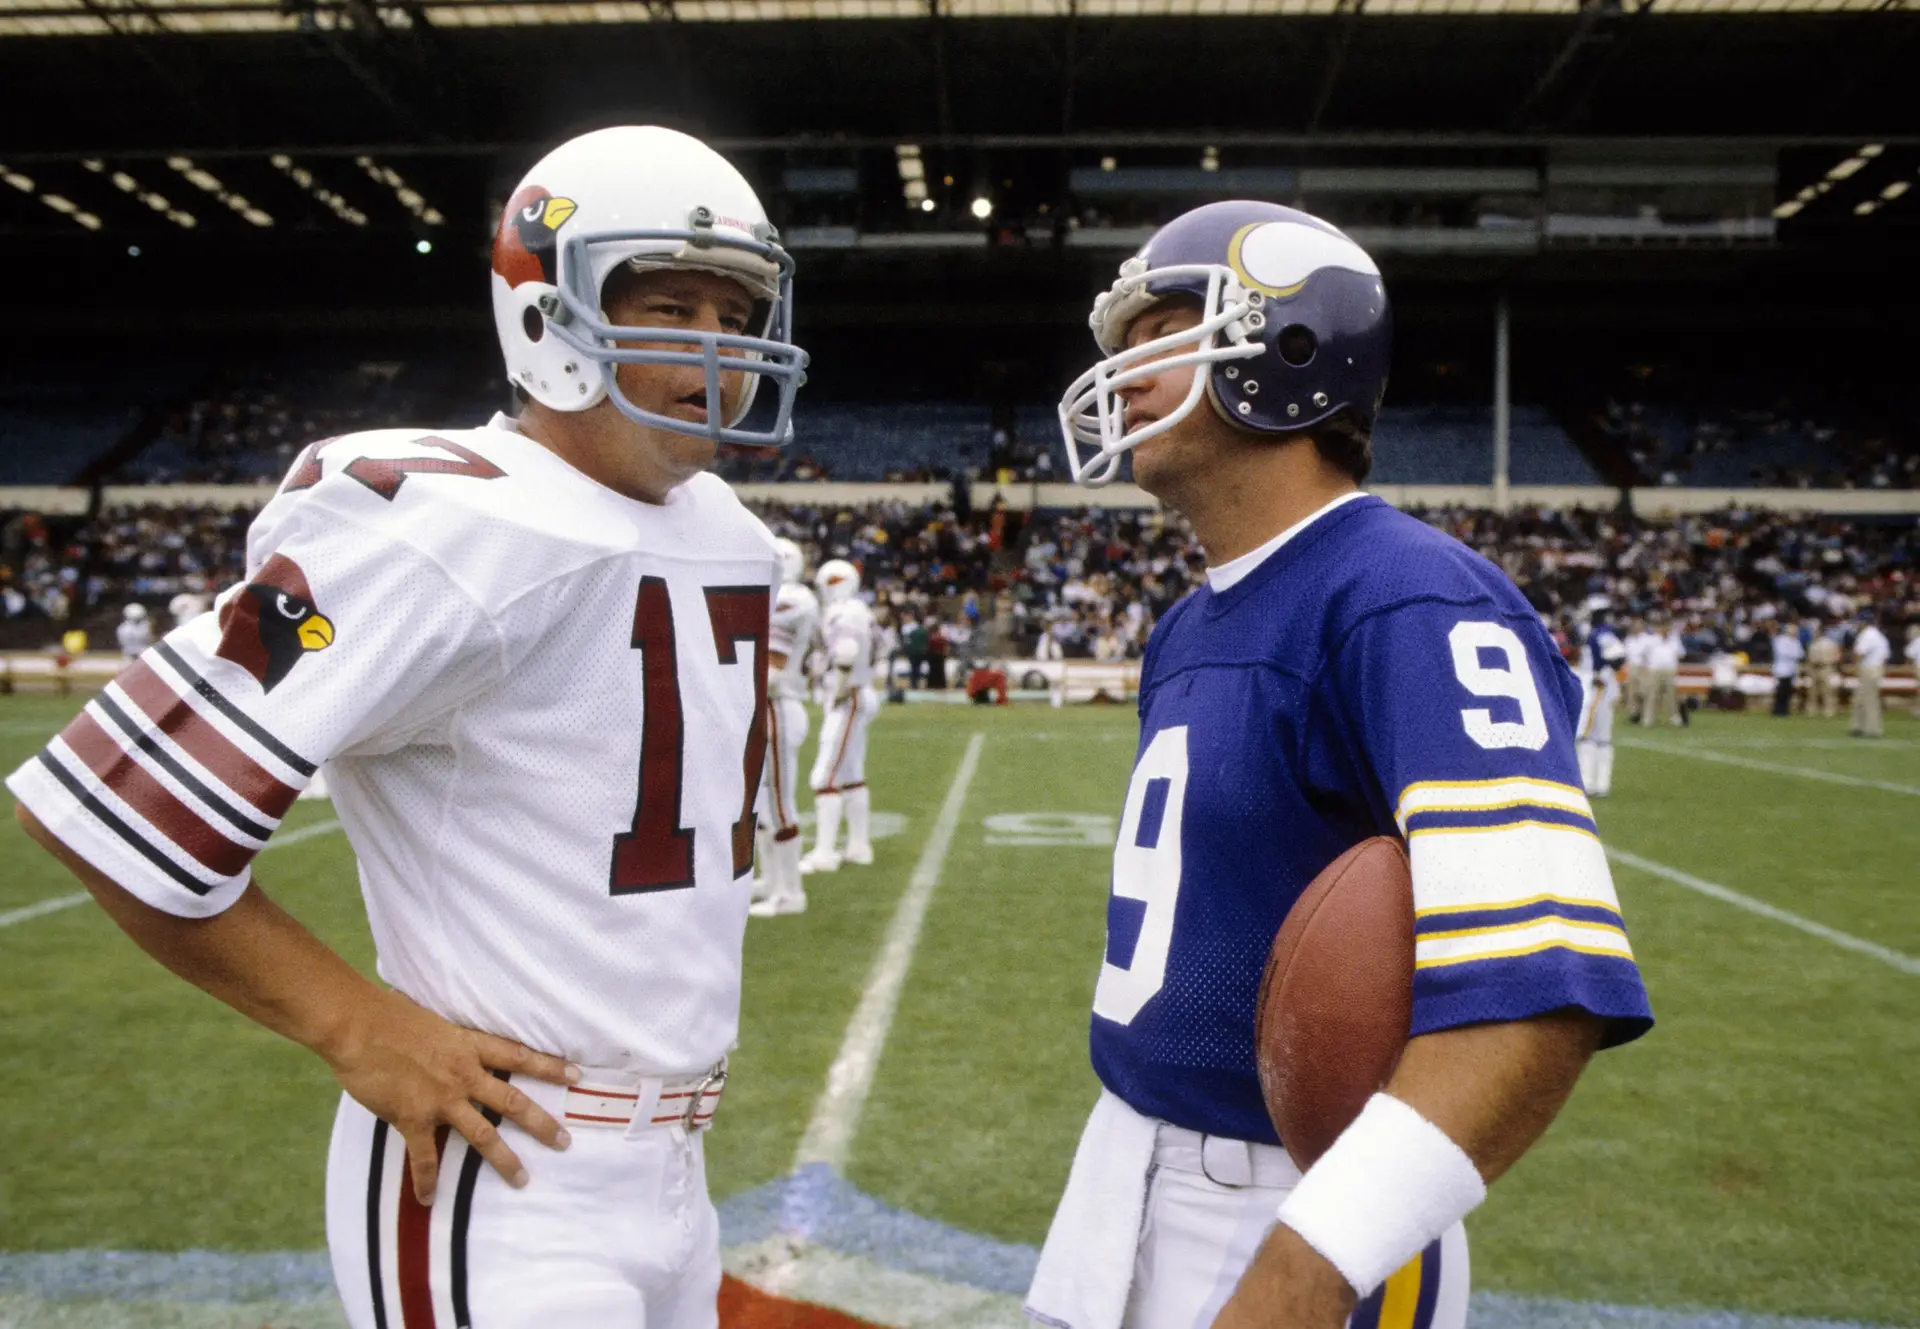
[272,622]
[528,245]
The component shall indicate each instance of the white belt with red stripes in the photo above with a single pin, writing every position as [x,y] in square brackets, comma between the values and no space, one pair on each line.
[620,1100]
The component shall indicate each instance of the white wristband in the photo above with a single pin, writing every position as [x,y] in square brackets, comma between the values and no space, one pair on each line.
[1390,1185]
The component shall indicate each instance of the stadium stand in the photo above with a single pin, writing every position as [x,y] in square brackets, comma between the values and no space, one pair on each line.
[59,416]
[1093,581]
[1741,433]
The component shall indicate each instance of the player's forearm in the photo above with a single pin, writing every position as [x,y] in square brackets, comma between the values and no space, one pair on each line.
[1495,1088]
[254,956]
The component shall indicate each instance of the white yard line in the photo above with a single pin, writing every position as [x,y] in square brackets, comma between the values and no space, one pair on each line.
[837,1112]
[1776,768]
[53,906]
[59,902]
[1906,964]
[286,839]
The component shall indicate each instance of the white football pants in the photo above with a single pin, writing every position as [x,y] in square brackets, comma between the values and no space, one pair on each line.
[840,772]
[1600,698]
[617,1230]
[1200,1235]
[779,833]
[1209,1205]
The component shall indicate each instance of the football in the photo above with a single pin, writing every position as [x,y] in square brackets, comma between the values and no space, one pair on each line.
[1336,1000]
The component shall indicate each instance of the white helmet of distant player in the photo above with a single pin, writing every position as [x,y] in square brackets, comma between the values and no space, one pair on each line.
[838,581]
[642,197]
[793,563]
[135,613]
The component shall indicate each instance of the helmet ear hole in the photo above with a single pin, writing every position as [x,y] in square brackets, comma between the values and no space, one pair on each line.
[532,323]
[1298,345]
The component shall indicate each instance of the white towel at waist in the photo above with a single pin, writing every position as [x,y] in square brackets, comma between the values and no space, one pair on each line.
[1086,1267]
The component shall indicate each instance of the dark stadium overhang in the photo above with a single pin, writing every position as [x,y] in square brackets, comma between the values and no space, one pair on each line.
[1613,142]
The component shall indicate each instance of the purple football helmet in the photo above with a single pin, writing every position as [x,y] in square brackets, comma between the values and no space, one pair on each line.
[1294,328]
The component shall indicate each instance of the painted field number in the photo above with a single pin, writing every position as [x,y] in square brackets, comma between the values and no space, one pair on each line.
[1051,830]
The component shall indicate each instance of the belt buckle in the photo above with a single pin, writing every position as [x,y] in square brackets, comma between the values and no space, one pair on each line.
[1233,1158]
[714,1084]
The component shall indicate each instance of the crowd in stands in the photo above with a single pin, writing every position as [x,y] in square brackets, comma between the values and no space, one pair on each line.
[245,427]
[1781,445]
[1725,578]
[69,570]
[954,584]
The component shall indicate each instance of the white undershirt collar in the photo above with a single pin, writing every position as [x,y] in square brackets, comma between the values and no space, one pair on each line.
[1235,570]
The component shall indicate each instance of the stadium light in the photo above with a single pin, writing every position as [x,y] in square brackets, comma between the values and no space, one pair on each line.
[60,203]
[207,182]
[133,251]
[1866,209]
[1788,209]
[1895,190]
[410,198]
[982,208]
[913,175]
[1108,164]
[126,184]
[1210,158]
[338,206]
[423,247]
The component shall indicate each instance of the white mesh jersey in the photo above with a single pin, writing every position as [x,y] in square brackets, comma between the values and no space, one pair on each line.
[796,620]
[539,704]
[851,620]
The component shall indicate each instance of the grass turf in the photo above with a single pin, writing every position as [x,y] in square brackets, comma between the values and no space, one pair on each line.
[1758,1151]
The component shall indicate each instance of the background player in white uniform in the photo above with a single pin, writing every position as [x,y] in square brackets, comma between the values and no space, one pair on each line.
[134,632]
[1601,659]
[499,640]
[839,774]
[796,621]
[186,606]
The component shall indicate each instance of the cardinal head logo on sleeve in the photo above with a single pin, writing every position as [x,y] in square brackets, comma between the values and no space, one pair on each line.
[272,623]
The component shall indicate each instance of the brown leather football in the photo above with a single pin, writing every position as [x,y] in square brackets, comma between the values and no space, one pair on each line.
[1336,1000]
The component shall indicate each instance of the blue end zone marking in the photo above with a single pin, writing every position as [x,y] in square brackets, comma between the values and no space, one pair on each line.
[202,1277]
[827,1210]
[1153,811]
[813,1203]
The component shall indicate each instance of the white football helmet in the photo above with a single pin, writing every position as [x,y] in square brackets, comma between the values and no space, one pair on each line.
[838,582]
[793,563]
[646,197]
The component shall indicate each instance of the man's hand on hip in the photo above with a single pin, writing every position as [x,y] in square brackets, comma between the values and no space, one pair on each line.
[417,1071]
[405,1064]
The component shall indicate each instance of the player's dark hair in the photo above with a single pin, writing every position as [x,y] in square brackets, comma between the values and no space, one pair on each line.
[1343,441]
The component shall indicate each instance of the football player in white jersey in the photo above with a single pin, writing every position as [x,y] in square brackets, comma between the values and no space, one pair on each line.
[839,776]
[1602,658]
[134,631]
[500,641]
[796,621]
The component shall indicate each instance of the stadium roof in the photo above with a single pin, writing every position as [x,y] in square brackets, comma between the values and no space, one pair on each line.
[30,18]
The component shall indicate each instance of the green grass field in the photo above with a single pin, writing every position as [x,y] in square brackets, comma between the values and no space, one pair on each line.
[1760,1151]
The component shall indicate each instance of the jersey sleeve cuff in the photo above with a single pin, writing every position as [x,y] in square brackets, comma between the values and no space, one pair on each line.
[85,824]
[1499,991]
